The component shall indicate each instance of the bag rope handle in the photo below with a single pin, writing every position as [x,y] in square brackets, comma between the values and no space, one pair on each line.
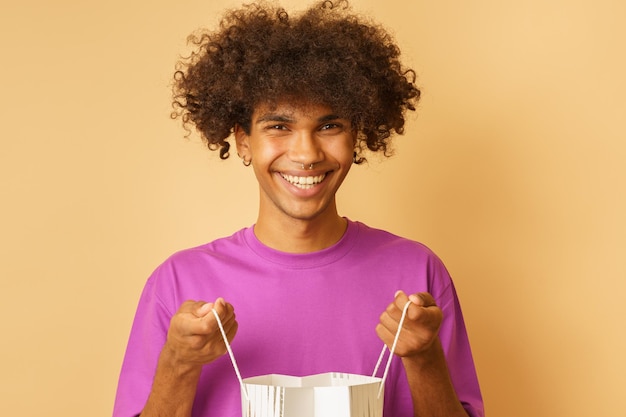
[393,348]
[230,353]
[380,358]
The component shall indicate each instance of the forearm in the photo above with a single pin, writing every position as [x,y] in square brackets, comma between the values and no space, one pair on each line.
[431,388]
[174,388]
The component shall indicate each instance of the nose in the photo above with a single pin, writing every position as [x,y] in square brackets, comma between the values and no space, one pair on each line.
[306,148]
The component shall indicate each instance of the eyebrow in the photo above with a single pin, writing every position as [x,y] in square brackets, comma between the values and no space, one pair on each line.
[328,118]
[273,117]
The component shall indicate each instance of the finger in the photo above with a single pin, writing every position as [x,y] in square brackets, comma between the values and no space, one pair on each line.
[231,331]
[410,339]
[219,305]
[400,299]
[204,309]
[182,323]
[390,319]
[385,334]
[228,323]
[395,309]
[191,307]
[190,325]
[197,318]
[222,311]
[423,299]
[422,310]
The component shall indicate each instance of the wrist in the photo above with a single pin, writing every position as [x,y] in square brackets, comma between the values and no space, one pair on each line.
[176,365]
[431,356]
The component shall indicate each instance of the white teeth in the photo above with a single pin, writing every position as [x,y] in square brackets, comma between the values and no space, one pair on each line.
[304,182]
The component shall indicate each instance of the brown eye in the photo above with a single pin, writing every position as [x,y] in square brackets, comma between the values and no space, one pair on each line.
[329,126]
[276,127]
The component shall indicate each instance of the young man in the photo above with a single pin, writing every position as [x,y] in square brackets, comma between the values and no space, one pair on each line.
[313,291]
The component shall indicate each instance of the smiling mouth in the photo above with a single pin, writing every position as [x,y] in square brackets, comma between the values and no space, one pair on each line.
[304,182]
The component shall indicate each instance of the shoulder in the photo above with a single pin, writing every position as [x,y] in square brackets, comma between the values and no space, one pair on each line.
[221,247]
[384,240]
[190,273]
[401,254]
[198,259]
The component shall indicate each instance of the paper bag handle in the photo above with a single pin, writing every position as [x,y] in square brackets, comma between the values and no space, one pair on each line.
[393,348]
[230,353]
[380,358]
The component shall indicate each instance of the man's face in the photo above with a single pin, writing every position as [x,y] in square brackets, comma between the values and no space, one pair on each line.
[300,155]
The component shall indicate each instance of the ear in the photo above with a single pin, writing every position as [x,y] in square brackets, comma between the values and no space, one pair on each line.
[242,141]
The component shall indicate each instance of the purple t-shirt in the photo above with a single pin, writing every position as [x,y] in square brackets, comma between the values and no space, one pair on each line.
[298,314]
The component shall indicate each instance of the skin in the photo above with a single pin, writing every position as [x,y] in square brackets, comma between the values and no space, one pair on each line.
[300,219]
[422,355]
[281,141]
[193,340]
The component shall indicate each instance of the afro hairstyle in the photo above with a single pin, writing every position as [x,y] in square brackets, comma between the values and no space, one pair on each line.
[325,55]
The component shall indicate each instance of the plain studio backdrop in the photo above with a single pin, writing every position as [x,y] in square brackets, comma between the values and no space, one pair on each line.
[513,171]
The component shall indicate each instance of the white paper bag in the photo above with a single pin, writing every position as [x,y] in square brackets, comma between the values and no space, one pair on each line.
[324,395]
[331,394]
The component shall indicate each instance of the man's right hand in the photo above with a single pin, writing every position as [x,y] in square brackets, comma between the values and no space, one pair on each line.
[193,340]
[194,337]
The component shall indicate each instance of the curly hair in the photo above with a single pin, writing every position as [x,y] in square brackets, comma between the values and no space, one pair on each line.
[325,55]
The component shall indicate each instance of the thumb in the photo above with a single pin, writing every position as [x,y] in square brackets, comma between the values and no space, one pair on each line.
[422,299]
[204,309]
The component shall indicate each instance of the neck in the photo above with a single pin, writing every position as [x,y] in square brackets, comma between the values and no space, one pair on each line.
[298,235]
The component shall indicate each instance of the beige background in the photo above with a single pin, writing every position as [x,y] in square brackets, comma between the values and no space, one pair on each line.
[513,172]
